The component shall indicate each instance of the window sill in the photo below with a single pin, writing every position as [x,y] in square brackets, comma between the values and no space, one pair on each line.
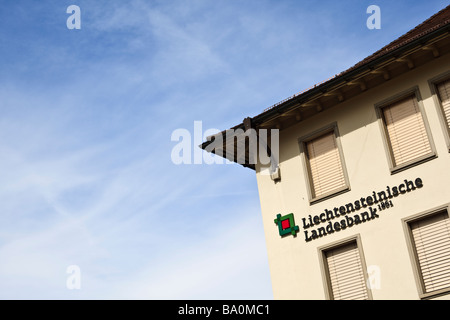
[434,294]
[329,195]
[413,163]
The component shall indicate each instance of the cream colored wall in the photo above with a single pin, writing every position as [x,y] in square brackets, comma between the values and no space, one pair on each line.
[294,263]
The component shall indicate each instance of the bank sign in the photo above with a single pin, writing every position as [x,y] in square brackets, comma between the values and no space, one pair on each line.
[347,215]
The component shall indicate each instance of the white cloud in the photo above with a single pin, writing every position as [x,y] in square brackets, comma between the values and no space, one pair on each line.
[85,129]
[226,266]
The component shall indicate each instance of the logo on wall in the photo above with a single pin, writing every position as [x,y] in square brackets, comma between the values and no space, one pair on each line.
[286,224]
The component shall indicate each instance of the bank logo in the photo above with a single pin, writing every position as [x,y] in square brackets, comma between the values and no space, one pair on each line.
[286,224]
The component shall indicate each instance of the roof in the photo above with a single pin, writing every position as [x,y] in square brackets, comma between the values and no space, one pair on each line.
[439,19]
[407,49]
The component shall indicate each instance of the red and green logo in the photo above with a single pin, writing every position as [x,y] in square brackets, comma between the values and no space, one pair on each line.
[286,224]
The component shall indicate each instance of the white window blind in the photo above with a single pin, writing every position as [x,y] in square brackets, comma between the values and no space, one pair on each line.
[325,165]
[406,130]
[444,95]
[432,242]
[347,277]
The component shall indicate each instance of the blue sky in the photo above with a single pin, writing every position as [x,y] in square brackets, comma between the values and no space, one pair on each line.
[86,117]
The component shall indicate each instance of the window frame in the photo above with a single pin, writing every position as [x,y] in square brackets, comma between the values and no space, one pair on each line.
[413,253]
[433,84]
[393,168]
[324,265]
[302,141]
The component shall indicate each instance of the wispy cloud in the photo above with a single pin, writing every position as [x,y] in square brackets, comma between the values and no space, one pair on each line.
[85,123]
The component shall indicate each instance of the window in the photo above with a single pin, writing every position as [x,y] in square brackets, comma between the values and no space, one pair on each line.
[444,96]
[344,271]
[324,163]
[406,132]
[443,90]
[429,242]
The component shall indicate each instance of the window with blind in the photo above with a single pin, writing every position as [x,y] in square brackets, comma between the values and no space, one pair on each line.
[430,238]
[325,165]
[444,96]
[345,271]
[406,132]
[443,90]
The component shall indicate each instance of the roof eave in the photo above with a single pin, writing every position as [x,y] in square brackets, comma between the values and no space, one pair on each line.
[346,77]
[342,78]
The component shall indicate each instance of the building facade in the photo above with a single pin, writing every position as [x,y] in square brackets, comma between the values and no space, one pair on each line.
[356,204]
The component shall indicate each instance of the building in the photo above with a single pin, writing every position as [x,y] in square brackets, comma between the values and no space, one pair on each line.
[356,200]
